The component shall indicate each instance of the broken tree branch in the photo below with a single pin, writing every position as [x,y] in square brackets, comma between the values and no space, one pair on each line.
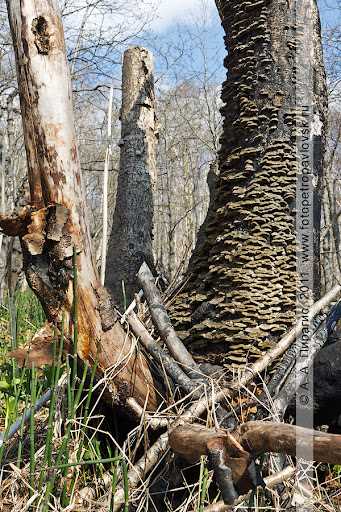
[233,466]
[198,408]
[257,437]
[260,437]
[171,367]
[131,306]
[43,400]
[161,319]
[234,452]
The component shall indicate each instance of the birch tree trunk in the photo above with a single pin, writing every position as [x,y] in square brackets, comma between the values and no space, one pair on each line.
[241,295]
[55,225]
[130,241]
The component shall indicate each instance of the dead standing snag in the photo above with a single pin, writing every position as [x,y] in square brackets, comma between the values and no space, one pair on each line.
[130,241]
[58,222]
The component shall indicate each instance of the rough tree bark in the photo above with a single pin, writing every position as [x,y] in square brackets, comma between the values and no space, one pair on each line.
[130,241]
[241,295]
[55,224]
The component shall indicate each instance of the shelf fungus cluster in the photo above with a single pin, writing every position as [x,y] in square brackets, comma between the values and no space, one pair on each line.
[241,295]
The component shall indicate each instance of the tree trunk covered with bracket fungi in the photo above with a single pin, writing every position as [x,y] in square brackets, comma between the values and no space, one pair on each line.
[130,242]
[241,295]
[54,225]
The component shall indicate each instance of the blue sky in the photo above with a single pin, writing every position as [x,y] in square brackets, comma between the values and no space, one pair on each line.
[330,11]
[184,34]
[175,30]
[169,12]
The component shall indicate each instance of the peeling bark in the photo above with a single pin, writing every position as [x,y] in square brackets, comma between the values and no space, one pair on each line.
[241,295]
[130,242]
[40,350]
[57,223]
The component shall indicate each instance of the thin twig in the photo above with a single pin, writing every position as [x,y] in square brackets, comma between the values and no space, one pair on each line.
[131,307]
[105,189]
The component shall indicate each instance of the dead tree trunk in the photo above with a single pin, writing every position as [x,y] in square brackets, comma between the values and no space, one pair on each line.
[130,242]
[55,225]
[7,185]
[241,295]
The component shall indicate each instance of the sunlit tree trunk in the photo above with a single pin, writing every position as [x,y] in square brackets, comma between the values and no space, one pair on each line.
[130,241]
[241,295]
[55,225]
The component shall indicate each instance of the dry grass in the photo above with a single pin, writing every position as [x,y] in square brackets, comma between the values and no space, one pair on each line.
[96,464]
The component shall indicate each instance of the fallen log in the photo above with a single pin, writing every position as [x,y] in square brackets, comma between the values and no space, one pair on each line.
[233,468]
[261,436]
[232,464]
[256,437]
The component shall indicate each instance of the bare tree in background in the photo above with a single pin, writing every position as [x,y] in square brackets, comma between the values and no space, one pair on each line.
[331,208]
[330,232]
[95,32]
[190,129]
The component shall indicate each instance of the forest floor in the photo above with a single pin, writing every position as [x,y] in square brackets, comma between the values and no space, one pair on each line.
[70,456]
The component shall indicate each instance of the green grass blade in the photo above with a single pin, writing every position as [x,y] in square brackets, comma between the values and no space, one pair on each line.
[32,430]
